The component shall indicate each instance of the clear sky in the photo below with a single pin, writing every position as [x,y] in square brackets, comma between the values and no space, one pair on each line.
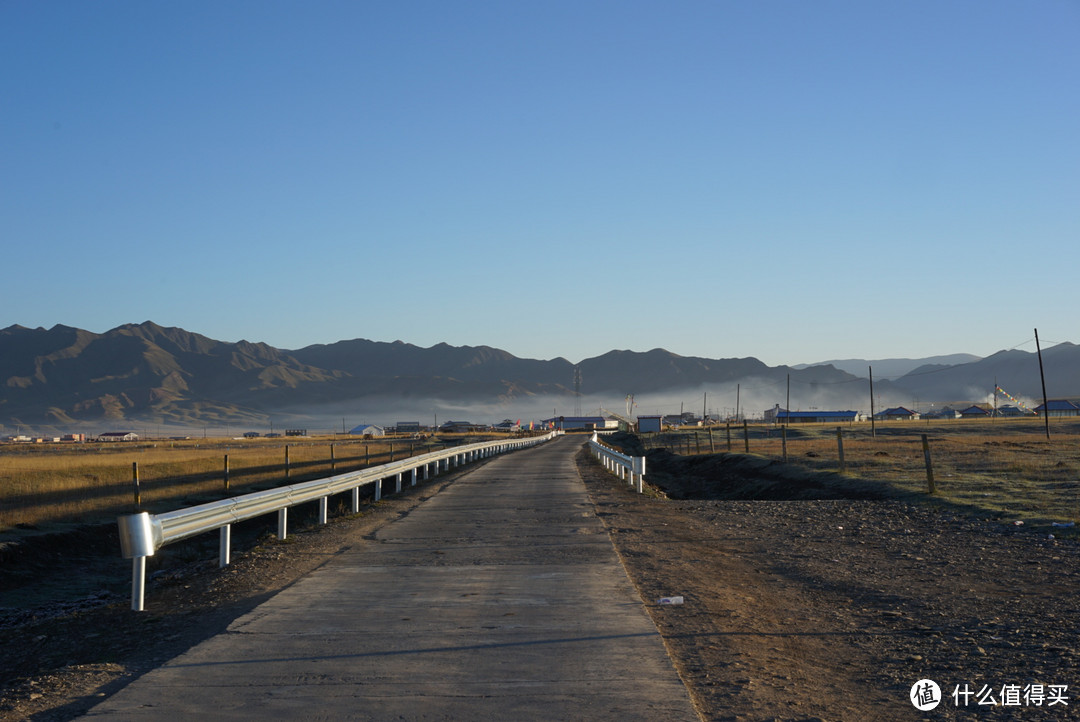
[795,181]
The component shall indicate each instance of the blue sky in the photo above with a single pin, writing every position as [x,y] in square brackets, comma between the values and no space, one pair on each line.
[795,181]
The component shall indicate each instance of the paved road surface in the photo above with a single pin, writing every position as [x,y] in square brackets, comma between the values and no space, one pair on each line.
[501,598]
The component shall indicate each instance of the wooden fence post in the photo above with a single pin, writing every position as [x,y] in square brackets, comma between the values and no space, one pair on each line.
[286,461]
[746,436]
[783,442]
[931,488]
[840,447]
[226,472]
[712,447]
[729,436]
[333,461]
[135,482]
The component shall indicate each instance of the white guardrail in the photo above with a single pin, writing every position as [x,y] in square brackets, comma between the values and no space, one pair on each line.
[620,464]
[143,534]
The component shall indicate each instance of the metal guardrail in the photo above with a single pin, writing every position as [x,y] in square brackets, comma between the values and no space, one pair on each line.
[141,535]
[620,464]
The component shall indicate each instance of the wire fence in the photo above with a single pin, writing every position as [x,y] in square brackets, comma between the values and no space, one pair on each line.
[91,483]
[1007,469]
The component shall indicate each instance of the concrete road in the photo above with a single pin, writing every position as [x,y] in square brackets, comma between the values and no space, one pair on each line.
[501,598]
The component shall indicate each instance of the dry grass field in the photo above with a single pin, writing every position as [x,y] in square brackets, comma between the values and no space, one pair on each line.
[1004,469]
[48,484]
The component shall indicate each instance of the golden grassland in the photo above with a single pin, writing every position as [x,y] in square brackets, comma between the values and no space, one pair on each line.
[1004,469]
[43,484]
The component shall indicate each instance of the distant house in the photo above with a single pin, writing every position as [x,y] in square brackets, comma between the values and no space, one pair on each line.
[251,434]
[650,424]
[588,423]
[407,427]
[1010,412]
[780,416]
[974,412]
[118,436]
[296,432]
[508,426]
[945,412]
[73,438]
[897,413]
[460,427]
[368,430]
[1058,407]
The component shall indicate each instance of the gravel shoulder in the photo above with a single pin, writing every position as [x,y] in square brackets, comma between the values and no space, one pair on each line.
[793,610]
[832,609]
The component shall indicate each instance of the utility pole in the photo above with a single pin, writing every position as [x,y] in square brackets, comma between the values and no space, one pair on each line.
[787,417]
[1042,377]
[873,430]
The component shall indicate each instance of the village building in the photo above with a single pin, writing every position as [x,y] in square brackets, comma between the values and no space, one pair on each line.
[461,427]
[587,423]
[974,412]
[118,436]
[1058,407]
[945,412]
[651,424]
[777,415]
[368,430]
[897,413]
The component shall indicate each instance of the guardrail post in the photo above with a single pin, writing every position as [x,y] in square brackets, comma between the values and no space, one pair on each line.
[224,545]
[324,502]
[413,477]
[639,467]
[378,489]
[282,523]
[138,583]
[136,543]
[356,500]
[397,484]
[427,470]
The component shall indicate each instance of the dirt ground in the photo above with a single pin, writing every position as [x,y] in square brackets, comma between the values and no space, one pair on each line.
[809,609]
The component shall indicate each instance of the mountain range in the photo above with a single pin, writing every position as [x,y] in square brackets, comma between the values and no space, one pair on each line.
[57,377]
[892,367]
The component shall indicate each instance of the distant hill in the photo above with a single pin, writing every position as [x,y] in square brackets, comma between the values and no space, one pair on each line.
[892,368]
[1015,371]
[64,374]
